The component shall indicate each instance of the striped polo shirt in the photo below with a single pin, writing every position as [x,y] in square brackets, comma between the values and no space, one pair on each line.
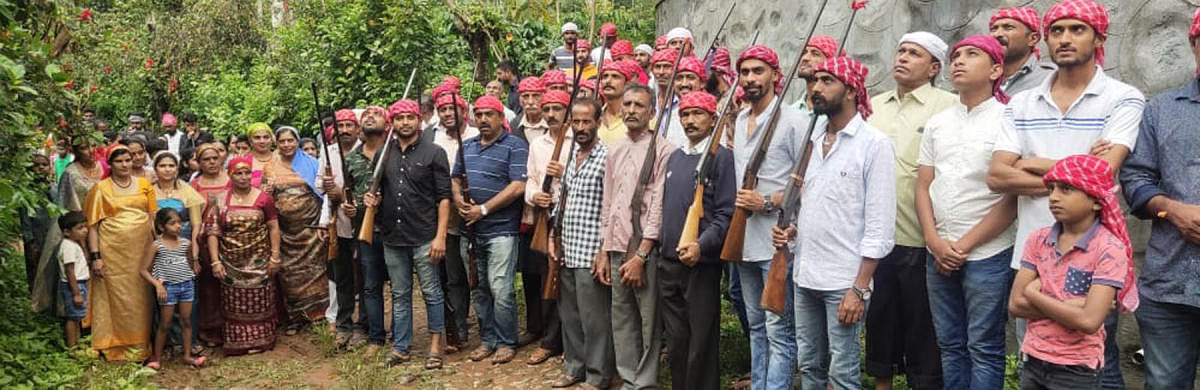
[489,169]
[1107,109]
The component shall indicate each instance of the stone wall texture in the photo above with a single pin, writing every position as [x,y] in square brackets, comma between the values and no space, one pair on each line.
[1147,45]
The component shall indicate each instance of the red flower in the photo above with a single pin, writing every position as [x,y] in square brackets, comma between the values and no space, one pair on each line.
[86,14]
[149,63]
[858,4]
[69,85]
[173,85]
[95,88]
[108,69]
[62,123]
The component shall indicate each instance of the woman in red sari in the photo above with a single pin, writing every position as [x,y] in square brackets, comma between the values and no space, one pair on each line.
[243,237]
[212,184]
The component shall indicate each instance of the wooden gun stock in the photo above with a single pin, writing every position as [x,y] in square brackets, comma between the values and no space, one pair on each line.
[333,239]
[691,225]
[735,237]
[472,271]
[773,294]
[553,267]
[367,233]
[541,233]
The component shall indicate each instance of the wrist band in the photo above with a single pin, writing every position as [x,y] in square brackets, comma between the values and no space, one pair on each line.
[95,255]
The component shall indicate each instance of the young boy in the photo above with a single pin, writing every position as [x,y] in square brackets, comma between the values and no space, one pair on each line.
[73,272]
[1070,273]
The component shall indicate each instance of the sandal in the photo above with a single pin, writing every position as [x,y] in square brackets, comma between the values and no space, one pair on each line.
[433,362]
[196,362]
[566,381]
[504,355]
[397,358]
[154,366]
[481,353]
[450,349]
[539,356]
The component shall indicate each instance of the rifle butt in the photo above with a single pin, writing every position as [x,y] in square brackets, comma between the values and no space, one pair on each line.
[775,288]
[691,225]
[541,233]
[367,232]
[472,271]
[550,286]
[735,238]
[332,245]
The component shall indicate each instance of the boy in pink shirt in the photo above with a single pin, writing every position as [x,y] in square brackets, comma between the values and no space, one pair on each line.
[1070,274]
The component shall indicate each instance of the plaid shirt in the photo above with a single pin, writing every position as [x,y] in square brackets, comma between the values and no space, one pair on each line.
[581,217]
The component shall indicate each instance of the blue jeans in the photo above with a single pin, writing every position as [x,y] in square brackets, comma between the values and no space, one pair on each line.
[970,309]
[734,296]
[375,272]
[772,336]
[1171,337]
[401,261]
[820,333]
[495,295]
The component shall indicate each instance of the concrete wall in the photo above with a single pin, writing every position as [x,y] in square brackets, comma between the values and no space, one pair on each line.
[1147,45]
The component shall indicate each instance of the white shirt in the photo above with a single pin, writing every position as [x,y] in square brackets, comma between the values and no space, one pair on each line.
[785,148]
[345,228]
[173,141]
[848,207]
[71,253]
[1107,109]
[675,132]
[958,145]
[596,55]
[450,145]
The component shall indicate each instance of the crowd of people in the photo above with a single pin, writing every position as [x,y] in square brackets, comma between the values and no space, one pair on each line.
[925,218]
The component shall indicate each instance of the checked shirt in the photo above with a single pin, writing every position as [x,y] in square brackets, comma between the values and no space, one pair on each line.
[581,213]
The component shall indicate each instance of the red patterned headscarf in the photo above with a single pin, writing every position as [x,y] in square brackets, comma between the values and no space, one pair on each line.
[1086,11]
[693,65]
[404,106]
[667,56]
[583,44]
[1195,31]
[531,84]
[698,99]
[345,114]
[992,47]
[1094,176]
[1026,15]
[448,96]
[236,163]
[660,42]
[764,54]
[387,117]
[622,67]
[554,97]
[452,82]
[608,30]
[826,44]
[854,75]
[620,48]
[721,64]
[554,77]
[489,102]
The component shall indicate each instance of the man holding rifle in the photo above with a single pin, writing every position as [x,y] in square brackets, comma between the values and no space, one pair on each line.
[584,302]
[541,164]
[772,336]
[632,275]
[360,163]
[454,269]
[690,273]
[492,208]
[414,195]
[846,222]
[343,268]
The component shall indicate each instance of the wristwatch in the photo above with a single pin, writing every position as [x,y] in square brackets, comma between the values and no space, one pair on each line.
[768,206]
[863,293]
[483,209]
[643,254]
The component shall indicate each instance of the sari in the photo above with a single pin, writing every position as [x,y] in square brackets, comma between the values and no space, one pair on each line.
[247,294]
[210,323]
[302,276]
[121,302]
[184,198]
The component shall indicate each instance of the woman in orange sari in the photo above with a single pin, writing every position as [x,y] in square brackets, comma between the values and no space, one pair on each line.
[118,210]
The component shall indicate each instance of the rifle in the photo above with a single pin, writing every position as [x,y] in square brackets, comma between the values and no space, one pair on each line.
[773,296]
[663,122]
[332,247]
[366,232]
[712,47]
[541,232]
[465,229]
[735,239]
[691,225]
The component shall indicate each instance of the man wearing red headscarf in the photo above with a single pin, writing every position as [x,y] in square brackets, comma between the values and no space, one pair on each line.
[690,272]
[613,79]
[772,336]
[844,226]
[1019,30]
[622,50]
[541,316]
[818,49]
[530,124]
[555,80]
[660,67]
[690,78]
[608,37]
[967,271]
[1160,184]
[342,271]
[1077,110]
[583,61]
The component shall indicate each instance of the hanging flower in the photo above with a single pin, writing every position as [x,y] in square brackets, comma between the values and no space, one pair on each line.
[173,85]
[149,63]
[94,88]
[62,123]
[85,15]
[108,70]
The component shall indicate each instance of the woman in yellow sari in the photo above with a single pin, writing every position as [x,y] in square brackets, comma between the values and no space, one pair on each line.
[118,210]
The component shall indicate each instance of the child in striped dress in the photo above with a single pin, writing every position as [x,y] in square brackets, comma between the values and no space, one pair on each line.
[170,268]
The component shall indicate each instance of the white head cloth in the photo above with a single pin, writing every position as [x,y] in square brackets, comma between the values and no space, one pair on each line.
[931,43]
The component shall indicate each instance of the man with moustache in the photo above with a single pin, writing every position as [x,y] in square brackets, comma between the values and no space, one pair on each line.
[690,78]
[584,302]
[453,270]
[1077,110]
[555,80]
[583,61]
[818,49]
[613,80]
[772,336]
[633,275]
[1020,31]
[414,195]
[343,270]
[491,207]
[541,320]
[844,226]
[530,124]
[660,68]
[899,326]
[642,54]
[690,274]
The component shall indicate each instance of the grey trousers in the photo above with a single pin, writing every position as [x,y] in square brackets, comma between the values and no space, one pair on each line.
[583,305]
[636,340]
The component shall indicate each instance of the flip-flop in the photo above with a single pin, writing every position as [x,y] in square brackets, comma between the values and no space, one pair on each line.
[481,353]
[539,356]
[504,355]
[196,362]
[433,363]
[396,358]
[154,366]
